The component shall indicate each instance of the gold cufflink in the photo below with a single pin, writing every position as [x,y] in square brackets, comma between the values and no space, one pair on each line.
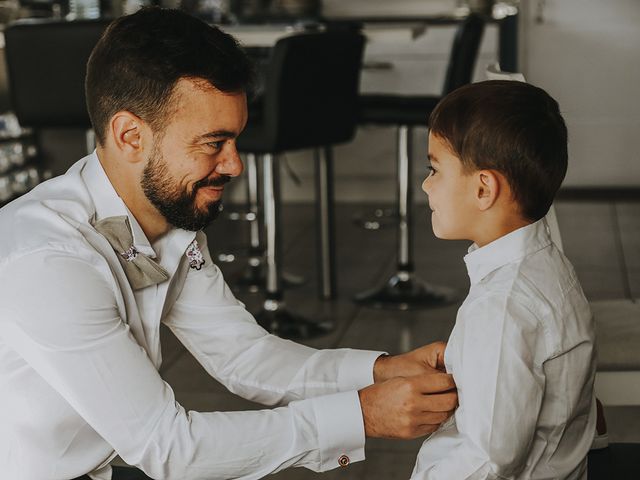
[343,461]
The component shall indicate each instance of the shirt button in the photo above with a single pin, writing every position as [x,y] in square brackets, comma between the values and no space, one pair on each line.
[343,461]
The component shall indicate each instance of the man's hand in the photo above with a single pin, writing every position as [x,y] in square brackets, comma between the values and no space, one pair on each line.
[407,407]
[427,359]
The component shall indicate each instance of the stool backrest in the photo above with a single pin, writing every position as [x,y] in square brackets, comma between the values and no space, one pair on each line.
[46,65]
[464,53]
[311,88]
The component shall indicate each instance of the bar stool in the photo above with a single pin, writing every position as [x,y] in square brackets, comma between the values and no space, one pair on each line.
[252,279]
[404,290]
[310,101]
[46,65]
[618,460]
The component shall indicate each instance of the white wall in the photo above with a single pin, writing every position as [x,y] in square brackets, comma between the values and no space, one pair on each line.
[586,53]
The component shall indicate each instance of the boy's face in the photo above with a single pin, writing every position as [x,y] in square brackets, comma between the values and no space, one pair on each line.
[451,193]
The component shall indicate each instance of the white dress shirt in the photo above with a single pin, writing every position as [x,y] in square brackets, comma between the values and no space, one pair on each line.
[80,352]
[522,356]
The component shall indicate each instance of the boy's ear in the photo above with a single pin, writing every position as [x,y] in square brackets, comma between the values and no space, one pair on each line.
[487,188]
[129,134]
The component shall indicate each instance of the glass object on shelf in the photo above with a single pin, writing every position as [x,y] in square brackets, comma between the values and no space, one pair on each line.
[15,154]
[24,180]
[6,192]
[132,6]
[20,182]
[83,9]
[17,182]
[9,126]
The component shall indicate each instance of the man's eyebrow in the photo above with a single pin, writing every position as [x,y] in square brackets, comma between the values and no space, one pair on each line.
[431,158]
[218,134]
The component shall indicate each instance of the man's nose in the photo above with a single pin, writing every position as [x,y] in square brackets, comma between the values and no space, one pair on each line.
[231,163]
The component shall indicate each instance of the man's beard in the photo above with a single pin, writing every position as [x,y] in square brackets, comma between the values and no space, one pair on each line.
[178,206]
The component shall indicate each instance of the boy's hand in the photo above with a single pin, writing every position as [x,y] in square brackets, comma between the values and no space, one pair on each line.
[427,359]
[407,407]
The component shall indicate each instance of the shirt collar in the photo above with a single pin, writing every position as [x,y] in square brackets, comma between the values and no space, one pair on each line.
[481,261]
[108,204]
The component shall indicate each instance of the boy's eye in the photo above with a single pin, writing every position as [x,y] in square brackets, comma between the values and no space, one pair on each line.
[430,170]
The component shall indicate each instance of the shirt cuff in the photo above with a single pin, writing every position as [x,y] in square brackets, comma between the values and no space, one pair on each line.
[340,429]
[356,370]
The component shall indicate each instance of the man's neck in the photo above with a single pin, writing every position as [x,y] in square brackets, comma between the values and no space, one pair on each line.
[125,182]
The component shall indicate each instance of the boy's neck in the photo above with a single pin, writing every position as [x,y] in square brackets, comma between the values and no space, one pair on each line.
[492,227]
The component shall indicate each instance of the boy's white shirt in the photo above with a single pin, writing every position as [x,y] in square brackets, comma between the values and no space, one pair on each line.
[522,355]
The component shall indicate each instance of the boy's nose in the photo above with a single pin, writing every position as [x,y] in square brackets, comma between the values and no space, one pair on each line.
[425,184]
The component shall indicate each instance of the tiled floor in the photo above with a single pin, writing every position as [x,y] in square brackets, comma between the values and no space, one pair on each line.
[601,238]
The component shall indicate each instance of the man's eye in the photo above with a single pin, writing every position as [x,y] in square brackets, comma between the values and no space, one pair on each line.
[431,170]
[215,145]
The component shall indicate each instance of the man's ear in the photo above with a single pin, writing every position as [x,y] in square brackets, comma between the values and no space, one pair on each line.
[129,134]
[488,188]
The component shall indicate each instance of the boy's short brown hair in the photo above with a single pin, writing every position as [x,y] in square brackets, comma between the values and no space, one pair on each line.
[510,127]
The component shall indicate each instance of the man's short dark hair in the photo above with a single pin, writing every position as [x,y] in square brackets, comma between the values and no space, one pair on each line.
[513,128]
[140,58]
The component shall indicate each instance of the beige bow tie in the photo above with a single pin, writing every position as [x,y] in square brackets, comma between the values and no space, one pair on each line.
[141,270]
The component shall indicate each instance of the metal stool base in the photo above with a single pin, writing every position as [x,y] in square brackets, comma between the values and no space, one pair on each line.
[241,216]
[251,280]
[405,291]
[276,319]
[254,279]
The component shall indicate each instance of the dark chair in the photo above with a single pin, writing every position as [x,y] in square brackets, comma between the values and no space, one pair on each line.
[619,461]
[46,66]
[252,278]
[404,290]
[309,101]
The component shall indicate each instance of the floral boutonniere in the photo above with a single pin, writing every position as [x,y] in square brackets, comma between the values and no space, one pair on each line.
[196,259]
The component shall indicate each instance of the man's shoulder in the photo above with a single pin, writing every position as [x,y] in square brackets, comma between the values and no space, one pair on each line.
[49,214]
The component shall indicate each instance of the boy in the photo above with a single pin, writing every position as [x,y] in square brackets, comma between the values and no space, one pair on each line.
[522,349]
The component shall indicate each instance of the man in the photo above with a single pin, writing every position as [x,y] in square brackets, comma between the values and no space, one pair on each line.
[91,262]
